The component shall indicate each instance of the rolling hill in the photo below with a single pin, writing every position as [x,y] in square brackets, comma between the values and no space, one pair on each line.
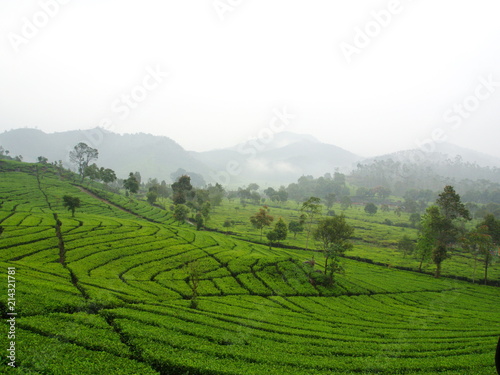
[110,291]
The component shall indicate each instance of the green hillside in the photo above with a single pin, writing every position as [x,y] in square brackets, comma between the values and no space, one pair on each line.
[108,292]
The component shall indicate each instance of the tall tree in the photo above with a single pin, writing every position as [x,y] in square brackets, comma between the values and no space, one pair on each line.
[194,272]
[71,203]
[490,227]
[371,209]
[182,189]
[107,175]
[279,233]
[450,205]
[92,172]
[295,227]
[180,213]
[131,184]
[261,219]
[406,245]
[333,233]
[81,156]
[480,245]
[311,208]
[345,203]
[330,200]
[441,225]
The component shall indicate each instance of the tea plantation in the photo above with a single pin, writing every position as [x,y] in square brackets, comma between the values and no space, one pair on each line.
[108,292]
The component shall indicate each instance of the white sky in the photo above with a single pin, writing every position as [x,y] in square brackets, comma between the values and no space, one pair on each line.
[226,76]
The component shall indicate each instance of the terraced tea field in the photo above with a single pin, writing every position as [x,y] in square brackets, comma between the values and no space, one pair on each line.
[107,292]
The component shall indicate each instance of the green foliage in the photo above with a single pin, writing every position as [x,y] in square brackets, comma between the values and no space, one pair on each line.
[151,197]
[295,227]
[71,203]
[279,233]
[440,225]
[481,245]
[81,156]
[406,245]
[334,235]
[450,205]
[371,208]
[345,203]
[183,190]
[131,183]
[180,213]
[311,208]
[261,219]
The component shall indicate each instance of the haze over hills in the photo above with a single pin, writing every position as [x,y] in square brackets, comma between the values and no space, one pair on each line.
[282,159]
[152,156]
[440,152]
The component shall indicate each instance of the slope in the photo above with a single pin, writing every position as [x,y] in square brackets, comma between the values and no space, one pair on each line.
[108,292]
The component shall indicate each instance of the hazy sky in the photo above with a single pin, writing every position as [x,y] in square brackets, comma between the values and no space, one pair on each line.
[369,76]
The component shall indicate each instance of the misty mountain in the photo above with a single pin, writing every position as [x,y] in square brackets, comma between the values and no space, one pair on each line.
[280,160]
[440,154]
[153,156]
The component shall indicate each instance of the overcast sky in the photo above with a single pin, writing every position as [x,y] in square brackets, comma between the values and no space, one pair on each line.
[369,76]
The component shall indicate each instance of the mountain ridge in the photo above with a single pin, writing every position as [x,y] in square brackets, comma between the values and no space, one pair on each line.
[279,160]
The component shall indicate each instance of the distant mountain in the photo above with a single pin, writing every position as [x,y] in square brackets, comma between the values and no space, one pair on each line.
[443,151]
[283,159]
[280,160]
[153,156]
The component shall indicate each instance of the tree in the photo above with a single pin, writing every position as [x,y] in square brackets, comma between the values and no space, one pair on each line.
[311,208]
[151,196]
[138,177]
[282,194]
[205,209]
[81,156]
[107,175]
[345,203]
[450,205]
[193,270]
[182,189]
[199,221]
[441,228]
[261,219]
[228,223]
[480,245]
[42,159]
[92,172]
[253,187]
[180,213]
[334,235]
[488,240]
[71,203]
[330,200]
[425,243]
[385,208]
[414,219]
[371,209]
[406,245]
[271,193]
[215,194]
[131,184]
[295,227]
[279,233]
